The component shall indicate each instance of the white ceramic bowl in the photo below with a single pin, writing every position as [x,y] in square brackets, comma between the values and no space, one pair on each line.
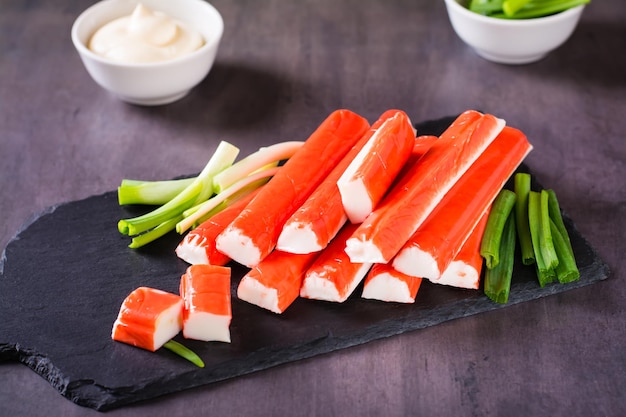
[151,83]
[509,41]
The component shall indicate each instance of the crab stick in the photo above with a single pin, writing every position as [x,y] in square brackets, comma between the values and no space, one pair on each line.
[274,283]
[207,312]
[464,271]
[253,234]
[332,277]
[198,246]
[413,198]
[384,283]
[148,318]
[322,215]
[375,167]
[436,242]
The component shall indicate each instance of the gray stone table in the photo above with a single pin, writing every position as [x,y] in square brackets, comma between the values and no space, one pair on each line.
[282,67]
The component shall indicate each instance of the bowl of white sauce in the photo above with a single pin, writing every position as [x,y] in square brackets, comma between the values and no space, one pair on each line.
[148,52]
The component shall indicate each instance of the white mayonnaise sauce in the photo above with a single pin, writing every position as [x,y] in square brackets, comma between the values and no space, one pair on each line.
[145,36]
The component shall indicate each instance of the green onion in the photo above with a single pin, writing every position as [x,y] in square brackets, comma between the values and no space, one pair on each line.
[566,270]
[231,200]
[545,234]
[500,210]
[510,7]
[154,193]
[498,278]
[185,352]
[223,157]
[545,274]
[522,9]
[154,233]
[522,188]
[554,211]
[193,215]
[485,7]
[545,8]
[266,157]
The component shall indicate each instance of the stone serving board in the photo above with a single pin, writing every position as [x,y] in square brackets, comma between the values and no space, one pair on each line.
[65,275]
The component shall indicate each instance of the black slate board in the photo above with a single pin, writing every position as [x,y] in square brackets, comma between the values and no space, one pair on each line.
[65,275]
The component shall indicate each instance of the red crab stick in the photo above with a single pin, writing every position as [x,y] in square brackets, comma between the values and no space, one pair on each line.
[375,167]
[207,313]
[436,242]
[464,271]
[254,233]
[148,318]
[322,215]
[332,277]
[408,204]
[198,246]
[386,284]
[274,284]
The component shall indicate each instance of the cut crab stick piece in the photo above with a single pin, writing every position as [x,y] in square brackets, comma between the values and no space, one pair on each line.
[413,198]
[207,312]
[384,283]
[464,271]
[148,318]
[332,277]
[376,166]
[322,215]
[198,246]
[274,284]
[254,233]
[436,242]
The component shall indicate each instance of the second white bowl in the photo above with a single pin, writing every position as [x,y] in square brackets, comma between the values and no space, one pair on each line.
[510,41]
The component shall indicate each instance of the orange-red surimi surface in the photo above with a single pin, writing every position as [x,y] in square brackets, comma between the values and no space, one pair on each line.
[254,233]
[274,283]
[207,311]
[412,199]
[198,246]
[332,277]
[464,271]
[439,238]
[373,170]
[322,215]
[148,318]
[386,284]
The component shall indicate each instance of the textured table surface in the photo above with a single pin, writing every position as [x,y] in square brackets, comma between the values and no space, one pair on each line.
[282,67]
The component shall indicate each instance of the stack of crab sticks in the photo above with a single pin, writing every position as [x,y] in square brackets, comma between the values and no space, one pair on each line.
[378,204]
[355,203]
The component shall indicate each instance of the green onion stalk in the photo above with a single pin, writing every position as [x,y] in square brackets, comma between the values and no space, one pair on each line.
[498,279]
[500,210]
[522,9]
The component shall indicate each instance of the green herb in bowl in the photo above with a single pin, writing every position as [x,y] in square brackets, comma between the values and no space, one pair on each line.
[522,9]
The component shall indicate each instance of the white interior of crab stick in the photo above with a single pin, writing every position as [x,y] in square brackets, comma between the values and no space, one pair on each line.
[415,262]
[354,194]
[191,250]
[207,327]
[319,287]
[253,292]
[364,251]
[297,237]
[168,324]
[238,247]
[459,274]
[386,287]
